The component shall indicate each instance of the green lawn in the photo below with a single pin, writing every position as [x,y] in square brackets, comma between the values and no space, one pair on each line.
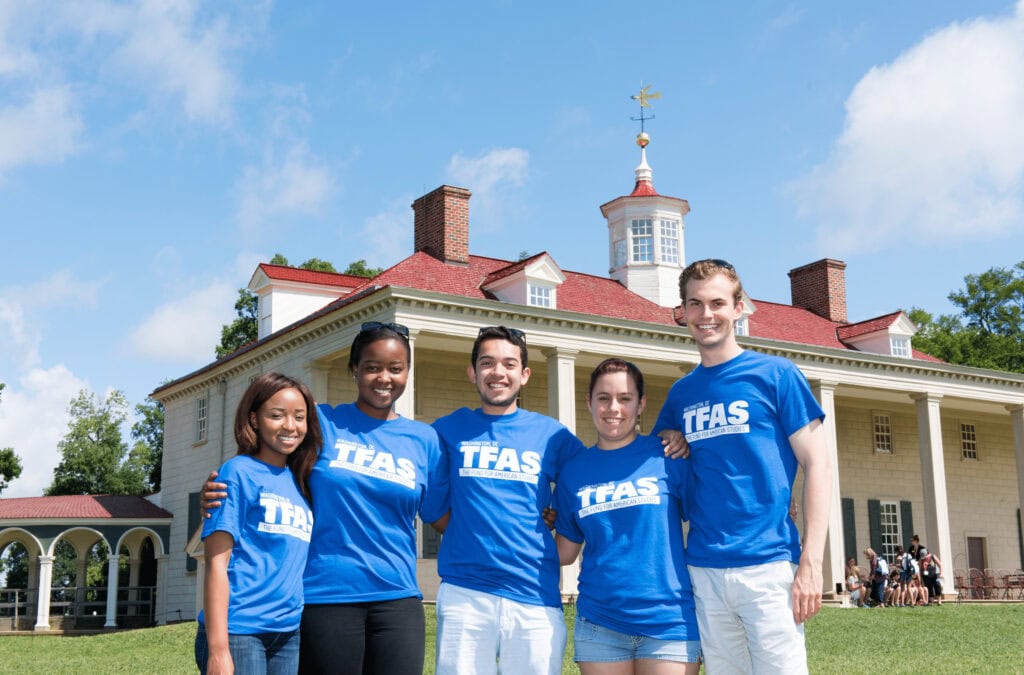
[968,638]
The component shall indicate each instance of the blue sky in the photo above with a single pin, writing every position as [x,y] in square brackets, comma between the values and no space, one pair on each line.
[152,153]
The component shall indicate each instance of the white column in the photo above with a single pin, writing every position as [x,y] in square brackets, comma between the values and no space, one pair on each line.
[161,590]
[316,380]
[406,405]
[562,406]
[133,582]
[113,562]
[933,482]
[562,385]
[43,601]
[832,567]
[1017,422]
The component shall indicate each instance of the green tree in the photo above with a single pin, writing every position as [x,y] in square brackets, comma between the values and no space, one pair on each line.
[94,457]
[10,467]
[10,463]
[358,268]
[244,328]
[148,434]
[988,331]
[318,265]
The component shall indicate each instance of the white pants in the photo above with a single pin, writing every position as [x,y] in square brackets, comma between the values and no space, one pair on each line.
[746,621]
[481,633]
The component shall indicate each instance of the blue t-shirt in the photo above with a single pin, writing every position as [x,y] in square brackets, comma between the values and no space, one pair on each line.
[367,485]
[270,521]
[499,473]
[738,417]
[626,506]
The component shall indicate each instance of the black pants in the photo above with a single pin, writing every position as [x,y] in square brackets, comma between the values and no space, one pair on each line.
[371,638]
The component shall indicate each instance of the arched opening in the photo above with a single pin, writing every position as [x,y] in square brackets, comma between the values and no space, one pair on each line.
[16,598]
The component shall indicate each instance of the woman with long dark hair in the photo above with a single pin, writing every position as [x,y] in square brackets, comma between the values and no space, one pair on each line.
[256,544]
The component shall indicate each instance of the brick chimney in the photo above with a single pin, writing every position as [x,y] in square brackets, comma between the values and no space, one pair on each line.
[441,223]
[821,288]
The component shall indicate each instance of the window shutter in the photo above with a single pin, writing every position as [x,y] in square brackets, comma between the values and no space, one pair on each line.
[191,564]
[1020,539]
[875,524]
[907,523]
[849,529]
[431,541]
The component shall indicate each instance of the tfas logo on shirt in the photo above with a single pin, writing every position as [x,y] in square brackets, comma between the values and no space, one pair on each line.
[714,419]
[487,460]
[281,516]
[618,495]
[369,461]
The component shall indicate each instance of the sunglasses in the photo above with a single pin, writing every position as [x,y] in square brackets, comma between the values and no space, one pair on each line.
[377,325]
[725,264]
[502,331]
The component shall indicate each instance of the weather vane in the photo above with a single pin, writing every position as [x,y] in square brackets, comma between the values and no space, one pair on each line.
[644,97]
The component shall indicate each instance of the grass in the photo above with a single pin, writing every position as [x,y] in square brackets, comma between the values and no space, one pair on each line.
[947,639]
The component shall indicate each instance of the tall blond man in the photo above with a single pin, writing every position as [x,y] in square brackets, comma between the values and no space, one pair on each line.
[750,420]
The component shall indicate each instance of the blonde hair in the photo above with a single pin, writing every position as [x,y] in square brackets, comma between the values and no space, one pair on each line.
[707,268]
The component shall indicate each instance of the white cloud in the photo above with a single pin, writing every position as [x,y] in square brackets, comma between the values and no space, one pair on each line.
[22,309]
[300,185]
[186,329]
[387,236]
[33,419]
[933,145]
[488,176]
[45,128]
[169,46]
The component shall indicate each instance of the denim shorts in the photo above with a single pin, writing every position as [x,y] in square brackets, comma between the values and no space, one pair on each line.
[597,644]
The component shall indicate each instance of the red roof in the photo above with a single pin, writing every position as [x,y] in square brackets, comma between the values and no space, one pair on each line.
[852,330]
[578,293]
[793,324]
[81,506]
[285,273]
[644,188]
[510,270]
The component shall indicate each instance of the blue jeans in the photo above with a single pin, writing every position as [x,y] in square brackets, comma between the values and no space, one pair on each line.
[258,654]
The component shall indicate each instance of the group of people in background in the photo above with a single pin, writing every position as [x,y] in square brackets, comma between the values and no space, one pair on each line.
[311,532]
[914,578]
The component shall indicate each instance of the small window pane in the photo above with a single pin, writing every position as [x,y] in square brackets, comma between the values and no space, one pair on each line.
[540,296]
[670,242]
[202,414]
[883,433]
[643,240]
[968,441]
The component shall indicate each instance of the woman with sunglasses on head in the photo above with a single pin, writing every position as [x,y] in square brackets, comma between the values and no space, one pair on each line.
[364,611]
[625,500]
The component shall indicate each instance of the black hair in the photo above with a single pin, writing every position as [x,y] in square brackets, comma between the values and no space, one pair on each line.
[372,332]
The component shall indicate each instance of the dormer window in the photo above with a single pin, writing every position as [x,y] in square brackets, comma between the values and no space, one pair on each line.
[532,282]
[900,345]
[740,327]
[540,296]
[642,230]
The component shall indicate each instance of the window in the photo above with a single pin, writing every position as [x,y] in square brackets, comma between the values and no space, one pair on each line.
[618,253]
[883,432]
[670,242]
[968,441]
[540,296]
[202,417]
[740,327]
[890,523]
[643,240]
[899,345]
